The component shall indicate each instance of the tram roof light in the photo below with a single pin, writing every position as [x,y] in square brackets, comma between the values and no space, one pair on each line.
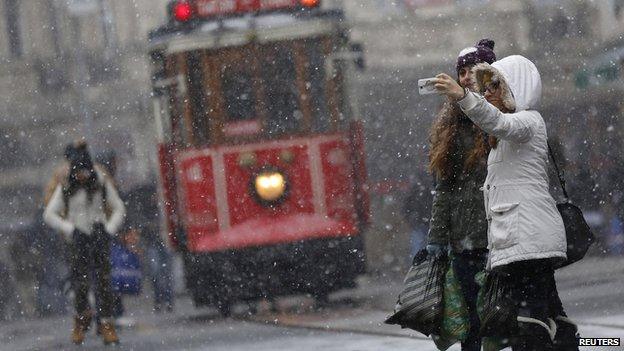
[182,11]
[186,10]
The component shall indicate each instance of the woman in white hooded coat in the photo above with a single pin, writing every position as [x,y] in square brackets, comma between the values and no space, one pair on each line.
[526,236]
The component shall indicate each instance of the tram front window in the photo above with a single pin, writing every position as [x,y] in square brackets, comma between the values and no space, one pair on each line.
[199,122]
[239,95]
[321,120]
[282,95]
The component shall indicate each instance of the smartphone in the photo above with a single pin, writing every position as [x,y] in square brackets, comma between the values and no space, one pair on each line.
[426,86]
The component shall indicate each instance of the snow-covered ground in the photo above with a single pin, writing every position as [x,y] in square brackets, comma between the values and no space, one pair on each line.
[592,292]
[362,342]
[345,329]
[334,342]
[352,326]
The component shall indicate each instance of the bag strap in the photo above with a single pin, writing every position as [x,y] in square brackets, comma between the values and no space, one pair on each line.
[104,195]
[560,174]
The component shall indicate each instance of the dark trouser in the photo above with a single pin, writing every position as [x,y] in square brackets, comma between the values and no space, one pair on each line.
[466,265]
[91,254]
[535,292]
[159,264]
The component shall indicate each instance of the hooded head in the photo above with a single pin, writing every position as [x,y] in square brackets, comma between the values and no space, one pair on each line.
[482,52]
[75,149]
[82,173]
[519,80]
[81,161]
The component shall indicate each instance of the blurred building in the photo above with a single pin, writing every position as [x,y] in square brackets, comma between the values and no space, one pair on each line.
[574,44]
[79,67]
[577,45]
[71,68]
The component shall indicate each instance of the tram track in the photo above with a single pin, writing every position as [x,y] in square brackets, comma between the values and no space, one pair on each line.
[335,330]
[293,324]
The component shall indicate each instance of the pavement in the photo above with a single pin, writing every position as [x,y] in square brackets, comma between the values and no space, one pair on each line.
[592,292]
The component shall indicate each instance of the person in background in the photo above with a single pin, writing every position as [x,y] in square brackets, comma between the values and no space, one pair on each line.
[107,162]
[52,267]
[458,156]
[614,230]
[160,270]
[125,252]
[526,236]
[145,215]
[7,291]
[417,210]
[77,209]
[25,268]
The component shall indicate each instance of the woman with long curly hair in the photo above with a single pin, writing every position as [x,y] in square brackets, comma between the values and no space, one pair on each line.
[458,158]
[527,238]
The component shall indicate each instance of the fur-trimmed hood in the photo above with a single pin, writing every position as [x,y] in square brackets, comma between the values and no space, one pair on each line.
[524,223]
[518,77]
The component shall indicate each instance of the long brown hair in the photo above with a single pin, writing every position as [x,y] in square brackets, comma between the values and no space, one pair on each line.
[444,146]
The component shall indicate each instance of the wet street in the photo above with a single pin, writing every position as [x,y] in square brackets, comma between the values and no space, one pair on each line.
[592,294]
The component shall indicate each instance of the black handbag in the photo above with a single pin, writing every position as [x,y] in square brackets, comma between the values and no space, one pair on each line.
[419,306]
[579,236]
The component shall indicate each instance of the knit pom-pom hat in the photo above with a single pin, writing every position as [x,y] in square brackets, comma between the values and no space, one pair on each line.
[482,52]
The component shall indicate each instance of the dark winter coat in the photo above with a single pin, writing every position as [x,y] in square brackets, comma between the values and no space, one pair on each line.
[457,216]
[417,206]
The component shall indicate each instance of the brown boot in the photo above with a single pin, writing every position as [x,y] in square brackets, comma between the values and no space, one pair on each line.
[81,325]
[107,331]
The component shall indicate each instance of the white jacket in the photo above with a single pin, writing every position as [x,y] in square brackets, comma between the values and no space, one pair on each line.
[82,213]
[524,222]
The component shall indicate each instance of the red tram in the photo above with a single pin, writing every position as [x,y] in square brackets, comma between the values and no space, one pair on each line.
[261,161]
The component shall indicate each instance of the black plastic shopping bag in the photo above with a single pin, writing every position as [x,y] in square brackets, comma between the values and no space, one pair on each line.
[419,306]
[497,310]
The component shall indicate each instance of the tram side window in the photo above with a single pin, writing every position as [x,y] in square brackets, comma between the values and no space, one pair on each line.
[321,120]
[282,95]
[343,93]
[239,94]
[199,125]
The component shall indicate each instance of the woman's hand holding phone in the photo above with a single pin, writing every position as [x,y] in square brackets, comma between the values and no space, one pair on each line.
[448,86]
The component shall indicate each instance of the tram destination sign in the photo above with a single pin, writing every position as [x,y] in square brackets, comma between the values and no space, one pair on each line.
[212,8]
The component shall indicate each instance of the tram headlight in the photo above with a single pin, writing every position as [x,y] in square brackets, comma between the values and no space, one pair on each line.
[310,3]
[270,186]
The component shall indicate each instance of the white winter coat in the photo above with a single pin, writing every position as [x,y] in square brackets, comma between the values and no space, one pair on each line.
[524,222]
[81,213]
